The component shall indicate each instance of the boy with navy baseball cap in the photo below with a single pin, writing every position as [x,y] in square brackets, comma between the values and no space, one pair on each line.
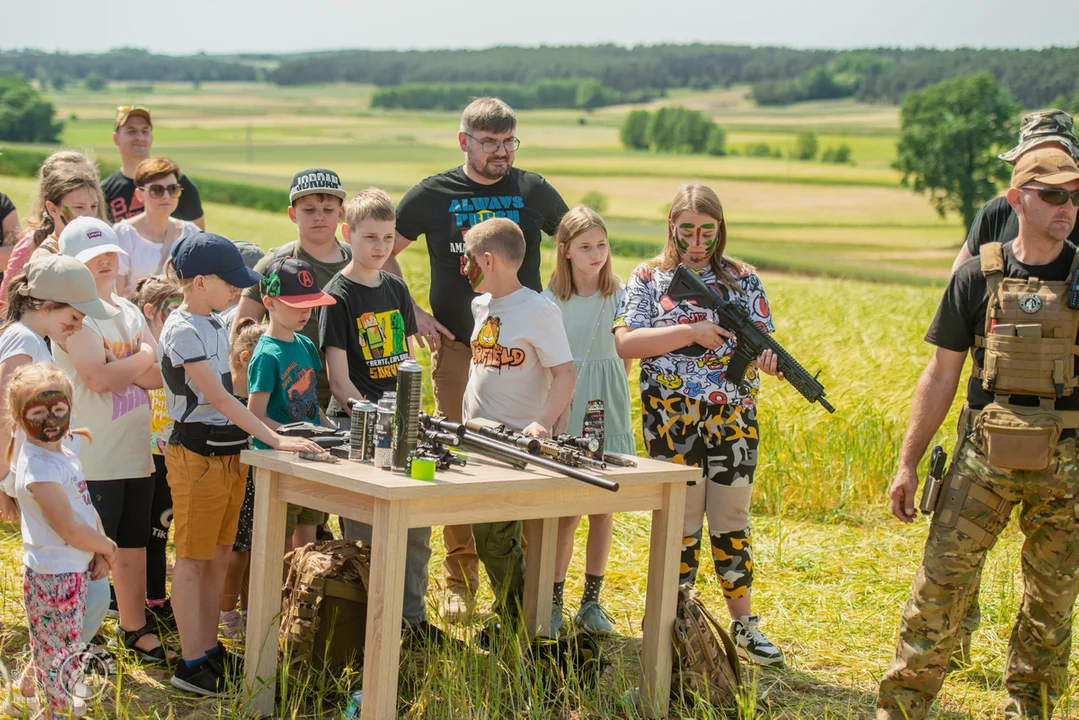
[210,429]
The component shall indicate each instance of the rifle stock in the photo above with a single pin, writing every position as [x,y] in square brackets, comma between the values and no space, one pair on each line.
[686,285]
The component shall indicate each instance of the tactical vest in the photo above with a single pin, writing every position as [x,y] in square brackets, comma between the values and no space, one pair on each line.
[1030,349]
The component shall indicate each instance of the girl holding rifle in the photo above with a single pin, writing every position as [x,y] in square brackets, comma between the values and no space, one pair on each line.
[692,413]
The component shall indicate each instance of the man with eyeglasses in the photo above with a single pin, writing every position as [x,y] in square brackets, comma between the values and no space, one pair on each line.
[996,221]
[133,135]
[1013,309]
[443,208]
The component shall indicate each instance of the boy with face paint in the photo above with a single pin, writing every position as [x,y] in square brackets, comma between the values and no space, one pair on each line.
[521,375]
[64,546]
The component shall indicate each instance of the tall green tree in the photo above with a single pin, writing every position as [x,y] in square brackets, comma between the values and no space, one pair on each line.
[950,134]
[24,115]
[634,130]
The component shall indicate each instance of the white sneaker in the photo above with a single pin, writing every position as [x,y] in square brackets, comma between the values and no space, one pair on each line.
[456,605]
[752,644]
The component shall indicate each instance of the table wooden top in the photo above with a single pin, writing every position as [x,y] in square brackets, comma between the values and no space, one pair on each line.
[481,476]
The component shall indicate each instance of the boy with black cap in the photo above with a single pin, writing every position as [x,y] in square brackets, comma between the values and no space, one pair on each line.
[281,376]
[316,198]
[211,428]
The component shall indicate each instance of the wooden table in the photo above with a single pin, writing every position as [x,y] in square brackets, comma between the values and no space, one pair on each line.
[484,491]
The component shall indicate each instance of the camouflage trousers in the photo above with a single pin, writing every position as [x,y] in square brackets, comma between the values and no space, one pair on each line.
[722,441]
[946,583]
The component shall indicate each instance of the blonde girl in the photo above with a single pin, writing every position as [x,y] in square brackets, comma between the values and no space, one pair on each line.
[588,293]
[63,544]
[157,297]
[693,414]
[68,187]
[245,337]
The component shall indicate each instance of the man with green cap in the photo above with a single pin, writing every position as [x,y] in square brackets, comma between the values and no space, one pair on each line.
[1010,310]
[996,221]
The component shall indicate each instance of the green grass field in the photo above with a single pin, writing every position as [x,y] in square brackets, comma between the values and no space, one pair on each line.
[833,569]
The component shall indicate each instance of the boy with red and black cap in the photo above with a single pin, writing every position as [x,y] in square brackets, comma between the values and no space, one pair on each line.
[211,428]
[281,377]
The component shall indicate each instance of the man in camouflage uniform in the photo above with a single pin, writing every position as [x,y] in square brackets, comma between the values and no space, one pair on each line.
[1027,281]
[996,221]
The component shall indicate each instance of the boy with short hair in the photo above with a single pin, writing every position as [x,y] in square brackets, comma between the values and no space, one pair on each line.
[365,336]
[316,197]
[204,472]
[520,356]
[281,376]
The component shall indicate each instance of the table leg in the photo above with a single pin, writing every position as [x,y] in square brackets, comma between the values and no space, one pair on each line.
[539,574]
[264,607]
[386,591]
[661,600]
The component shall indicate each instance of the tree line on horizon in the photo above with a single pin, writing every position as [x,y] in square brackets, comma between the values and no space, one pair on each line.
[777,75]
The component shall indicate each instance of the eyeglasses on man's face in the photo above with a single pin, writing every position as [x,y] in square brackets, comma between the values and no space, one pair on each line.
[490,146]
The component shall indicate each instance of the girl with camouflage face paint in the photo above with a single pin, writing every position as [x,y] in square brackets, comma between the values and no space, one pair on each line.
[692,413]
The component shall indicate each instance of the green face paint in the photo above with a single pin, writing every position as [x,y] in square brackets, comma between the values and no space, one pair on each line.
[689,235]
[66,215]
[473,272]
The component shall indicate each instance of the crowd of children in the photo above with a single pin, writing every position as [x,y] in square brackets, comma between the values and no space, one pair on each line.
[172,382]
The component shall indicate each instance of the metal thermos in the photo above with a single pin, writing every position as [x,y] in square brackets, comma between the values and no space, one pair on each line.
[406,429]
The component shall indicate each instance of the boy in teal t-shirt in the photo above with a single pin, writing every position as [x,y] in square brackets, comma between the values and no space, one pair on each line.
[281,377]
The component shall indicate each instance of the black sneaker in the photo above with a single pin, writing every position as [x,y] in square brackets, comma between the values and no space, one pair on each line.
[229,664]
[751,643]
[424,635]
[203,679]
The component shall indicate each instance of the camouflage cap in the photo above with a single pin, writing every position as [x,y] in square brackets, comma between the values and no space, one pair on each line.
[1042,126]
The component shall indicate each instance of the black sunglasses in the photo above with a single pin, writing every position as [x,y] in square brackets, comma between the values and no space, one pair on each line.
[158,191]
[1056,196]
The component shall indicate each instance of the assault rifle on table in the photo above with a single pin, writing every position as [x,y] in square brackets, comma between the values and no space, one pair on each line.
[591,445]
[324,437]
[508,452]
[564,449]
[752,341]
[435,445]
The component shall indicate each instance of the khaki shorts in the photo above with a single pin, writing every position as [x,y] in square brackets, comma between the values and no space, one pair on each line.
[449,373]
[207,494]
[298,515]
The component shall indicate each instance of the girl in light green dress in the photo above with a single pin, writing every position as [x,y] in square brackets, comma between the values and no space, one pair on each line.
[588,293]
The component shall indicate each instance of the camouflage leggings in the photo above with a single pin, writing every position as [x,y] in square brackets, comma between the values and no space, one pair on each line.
[948,578]
[724,443]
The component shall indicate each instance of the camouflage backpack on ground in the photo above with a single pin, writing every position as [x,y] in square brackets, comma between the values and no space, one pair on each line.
[706,662]
[324,609]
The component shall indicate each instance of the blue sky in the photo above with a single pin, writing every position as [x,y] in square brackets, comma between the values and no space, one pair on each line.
[221,26]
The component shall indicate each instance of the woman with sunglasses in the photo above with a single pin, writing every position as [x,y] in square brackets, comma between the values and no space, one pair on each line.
[147,237]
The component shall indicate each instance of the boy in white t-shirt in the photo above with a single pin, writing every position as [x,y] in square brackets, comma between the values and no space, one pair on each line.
[520,357]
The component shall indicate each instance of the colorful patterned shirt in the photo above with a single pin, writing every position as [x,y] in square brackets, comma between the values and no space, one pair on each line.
[688,371]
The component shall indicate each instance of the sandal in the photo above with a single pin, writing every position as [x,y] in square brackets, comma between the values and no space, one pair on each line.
[158,656]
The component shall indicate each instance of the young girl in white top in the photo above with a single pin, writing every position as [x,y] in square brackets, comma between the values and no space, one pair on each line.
[588,293]
[112,364]
[62,540]
[148,237]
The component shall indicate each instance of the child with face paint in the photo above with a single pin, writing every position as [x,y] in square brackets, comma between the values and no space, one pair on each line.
[64,546]
[586,290]
[157,297]
[692,413]
[521,375]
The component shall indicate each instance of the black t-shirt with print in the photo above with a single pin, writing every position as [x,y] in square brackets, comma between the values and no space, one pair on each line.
[443,208]
[996,221]
[961,315]
[6,207]
[121,203]
[371,324]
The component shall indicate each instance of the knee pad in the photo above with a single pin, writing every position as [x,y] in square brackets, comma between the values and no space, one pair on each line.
[728,508]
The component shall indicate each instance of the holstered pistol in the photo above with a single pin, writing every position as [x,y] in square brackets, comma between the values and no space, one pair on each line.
[934,480]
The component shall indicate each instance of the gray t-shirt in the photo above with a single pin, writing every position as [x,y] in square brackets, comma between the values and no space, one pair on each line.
[189,338]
